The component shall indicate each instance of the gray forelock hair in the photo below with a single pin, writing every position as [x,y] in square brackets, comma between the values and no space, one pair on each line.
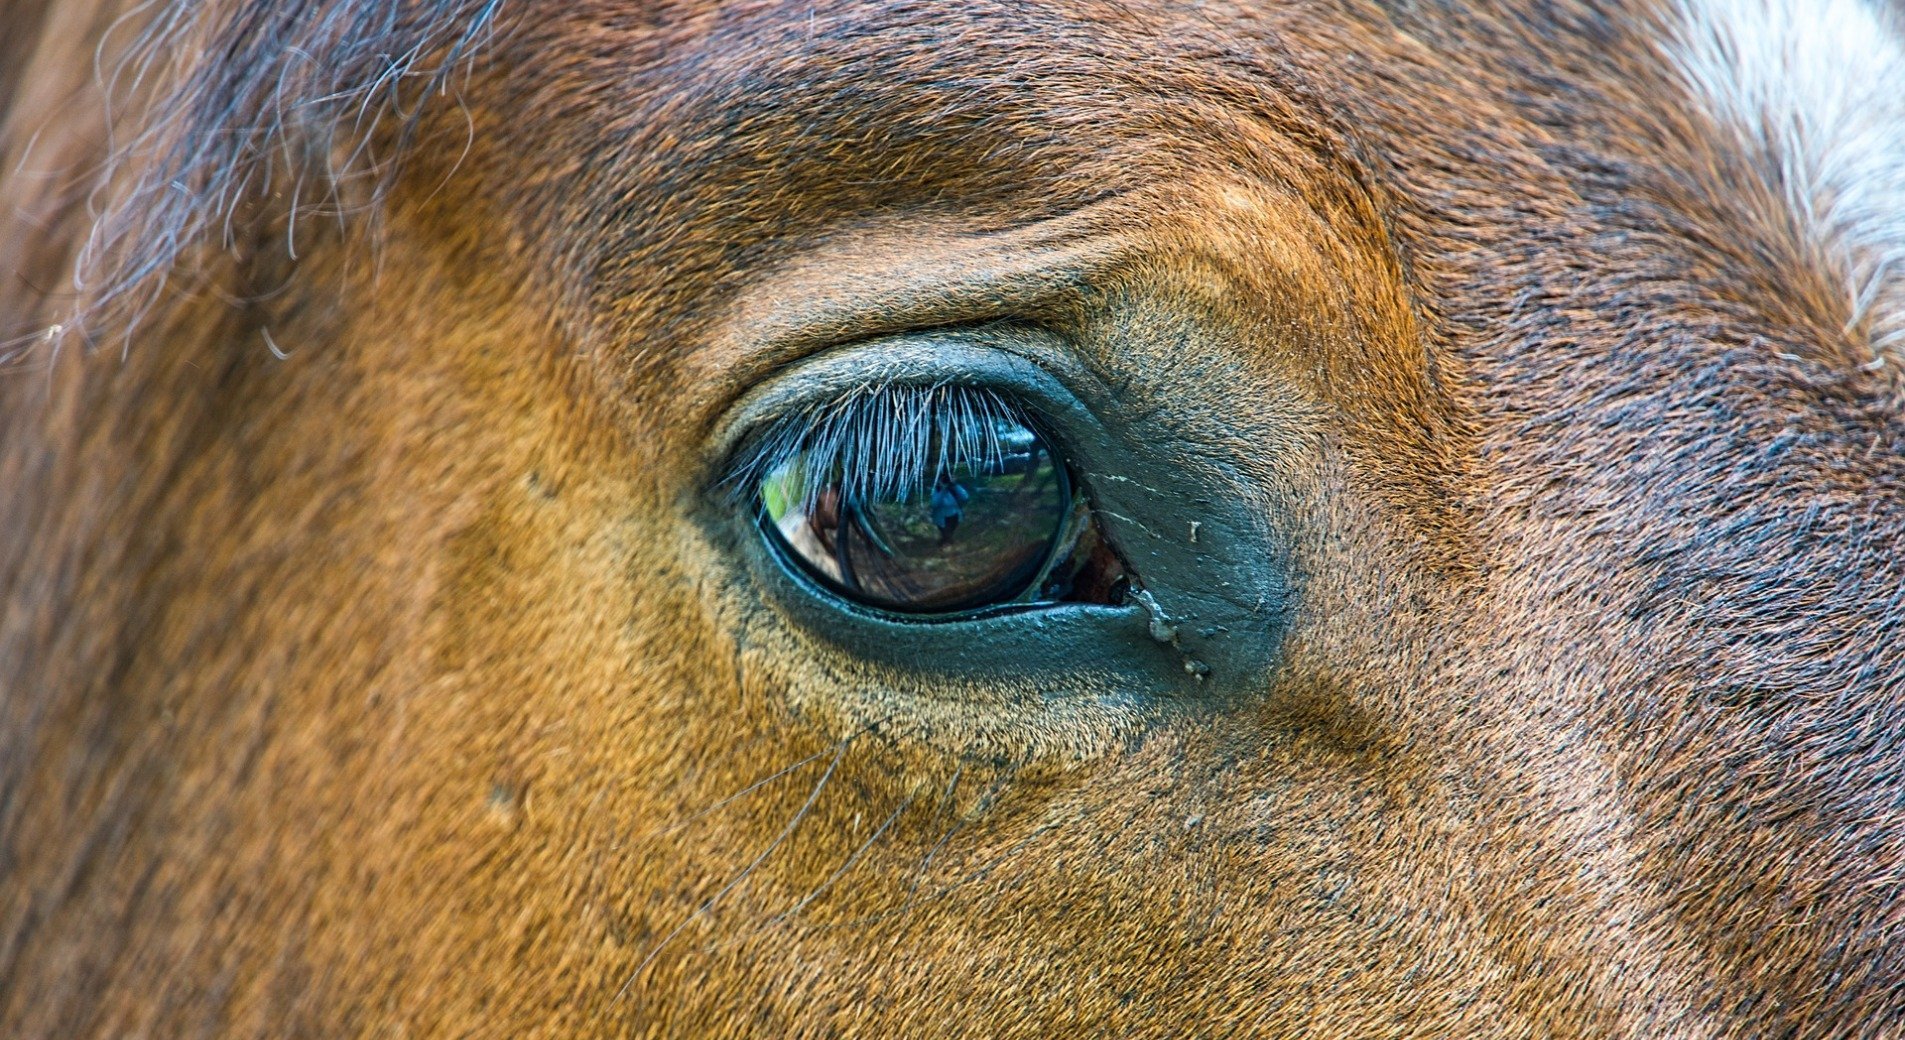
[219,104]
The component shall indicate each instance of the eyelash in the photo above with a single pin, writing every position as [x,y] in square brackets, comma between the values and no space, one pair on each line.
[886,442]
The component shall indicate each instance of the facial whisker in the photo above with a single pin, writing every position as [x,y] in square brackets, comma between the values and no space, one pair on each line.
[884,826]
[708,904]
[946,803]
[925,864]
[742,793]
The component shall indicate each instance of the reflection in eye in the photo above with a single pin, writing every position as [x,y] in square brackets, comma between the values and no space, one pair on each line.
[928,500]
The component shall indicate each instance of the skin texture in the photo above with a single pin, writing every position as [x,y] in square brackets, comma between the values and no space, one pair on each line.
[425,682]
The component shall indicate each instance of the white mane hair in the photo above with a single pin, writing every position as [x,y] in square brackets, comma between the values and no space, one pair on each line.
[1816,90]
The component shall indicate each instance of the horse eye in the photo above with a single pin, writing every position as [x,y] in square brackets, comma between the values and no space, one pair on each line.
[975,533]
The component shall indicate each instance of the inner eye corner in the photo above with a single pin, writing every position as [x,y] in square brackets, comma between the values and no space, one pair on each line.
[931,502]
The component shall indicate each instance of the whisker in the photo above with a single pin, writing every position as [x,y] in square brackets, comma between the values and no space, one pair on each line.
[925,864]
[946,804]
[1017,847]
[746,871]
[838,873]
[990,865]
[742,793]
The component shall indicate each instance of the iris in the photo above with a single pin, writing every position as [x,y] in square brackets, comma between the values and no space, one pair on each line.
[926,500]
[974,522]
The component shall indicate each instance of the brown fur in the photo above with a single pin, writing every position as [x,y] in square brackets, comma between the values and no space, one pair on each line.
[411,685]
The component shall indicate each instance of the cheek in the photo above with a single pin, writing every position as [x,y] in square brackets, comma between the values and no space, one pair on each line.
[587,714]
[560,698]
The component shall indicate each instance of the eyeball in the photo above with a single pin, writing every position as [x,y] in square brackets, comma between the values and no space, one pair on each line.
[973,528]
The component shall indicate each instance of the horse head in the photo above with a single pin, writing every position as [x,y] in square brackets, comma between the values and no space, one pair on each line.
[1091,518]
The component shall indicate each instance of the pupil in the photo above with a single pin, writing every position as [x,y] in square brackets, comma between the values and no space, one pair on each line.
[968,533]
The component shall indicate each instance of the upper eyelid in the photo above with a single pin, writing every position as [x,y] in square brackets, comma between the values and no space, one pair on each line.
[1033,367]
[889,425]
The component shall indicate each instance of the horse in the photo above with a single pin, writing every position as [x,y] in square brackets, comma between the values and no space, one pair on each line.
[1286,518]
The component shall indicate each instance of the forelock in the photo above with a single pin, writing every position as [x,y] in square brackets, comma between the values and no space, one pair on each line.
[218,104]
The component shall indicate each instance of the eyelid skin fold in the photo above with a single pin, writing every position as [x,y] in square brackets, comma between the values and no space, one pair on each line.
[998,363]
